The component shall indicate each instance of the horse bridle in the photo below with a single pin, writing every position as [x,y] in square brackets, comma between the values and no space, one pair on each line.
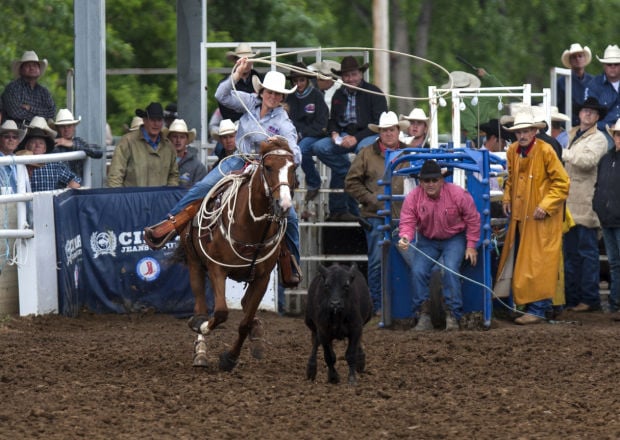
[278,152]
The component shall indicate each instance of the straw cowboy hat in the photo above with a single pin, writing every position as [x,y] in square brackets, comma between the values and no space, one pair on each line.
[136,122]
[39,128]
[274,81]
[576,48]
[65,117]
[243,50]
[612,129]
[9,126]
[325,67]
[27,57]
[526,118]
[611,55]
[386,120]
[180,126]
[300,71]
[556,116]
[227,126]
[462,80]
[349,64]
[417,114]
[153,111]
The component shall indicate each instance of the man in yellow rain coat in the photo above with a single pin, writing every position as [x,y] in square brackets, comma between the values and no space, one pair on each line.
[534,195]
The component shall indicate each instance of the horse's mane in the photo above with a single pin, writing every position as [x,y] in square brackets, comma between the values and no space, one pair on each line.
[278,143]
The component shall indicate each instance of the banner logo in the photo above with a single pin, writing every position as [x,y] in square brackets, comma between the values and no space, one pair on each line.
[103,243]
[73,249]
[148,269]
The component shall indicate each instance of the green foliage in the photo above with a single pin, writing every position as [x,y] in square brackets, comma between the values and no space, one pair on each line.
[518,42]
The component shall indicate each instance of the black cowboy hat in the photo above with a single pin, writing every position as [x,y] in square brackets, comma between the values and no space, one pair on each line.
[593,104]
[431,169]
[348,64]
[297,74]
[153,111]
[493,127]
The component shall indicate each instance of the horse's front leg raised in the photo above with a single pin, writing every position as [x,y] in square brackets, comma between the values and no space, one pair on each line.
[252,298]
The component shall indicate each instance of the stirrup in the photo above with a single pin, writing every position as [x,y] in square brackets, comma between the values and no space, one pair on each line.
[158,235]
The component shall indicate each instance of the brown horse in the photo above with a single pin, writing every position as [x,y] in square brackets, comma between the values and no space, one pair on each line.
[237,234]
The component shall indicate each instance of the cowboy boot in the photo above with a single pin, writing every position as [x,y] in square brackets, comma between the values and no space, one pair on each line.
[289,268]
[158,235]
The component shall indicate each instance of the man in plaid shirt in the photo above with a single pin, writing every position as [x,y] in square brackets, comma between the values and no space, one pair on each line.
[24,98]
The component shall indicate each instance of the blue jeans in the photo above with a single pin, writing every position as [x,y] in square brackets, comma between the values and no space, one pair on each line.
[581,267]
[539,308]
[612,247]
[337,159]
[452,251]
[313,178]
[202,188]
[373,237]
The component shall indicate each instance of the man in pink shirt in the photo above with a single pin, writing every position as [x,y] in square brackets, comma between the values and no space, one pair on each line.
[447,224]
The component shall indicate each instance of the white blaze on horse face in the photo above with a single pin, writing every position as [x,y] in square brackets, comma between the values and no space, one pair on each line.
[285,190]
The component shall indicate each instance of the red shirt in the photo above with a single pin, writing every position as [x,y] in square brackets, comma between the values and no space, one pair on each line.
[453,212]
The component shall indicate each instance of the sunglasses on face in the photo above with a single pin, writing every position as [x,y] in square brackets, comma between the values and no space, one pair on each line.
[430,180]
[10,136]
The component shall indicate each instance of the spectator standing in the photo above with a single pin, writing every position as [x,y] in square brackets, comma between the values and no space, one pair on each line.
[354,106]
[144,157]
[170,114]
[534,194]
[65,124]
[586,147]
[361,183]
[307,110]
[325,80]
[39,139]
[24,98]
[446,224]
[417,131]
[191,169]
[577,59]
[10,138]
[604,88]
[606,204]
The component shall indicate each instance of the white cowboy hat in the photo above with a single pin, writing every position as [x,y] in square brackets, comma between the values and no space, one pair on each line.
[274,81]
[611,55]
[388,119]
[9,126]
[417,114]
[324,67]
[39,123]
[576,48]
[136,122]
[612,129]
[462,80]
[27,57]
[243,50]
[180,126]
[526,118]
[65,117]
[556,116]
[227,126]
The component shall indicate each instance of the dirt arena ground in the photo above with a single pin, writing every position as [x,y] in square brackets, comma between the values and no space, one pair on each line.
[131,377]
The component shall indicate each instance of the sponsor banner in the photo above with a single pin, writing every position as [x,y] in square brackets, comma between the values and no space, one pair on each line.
[105,265]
